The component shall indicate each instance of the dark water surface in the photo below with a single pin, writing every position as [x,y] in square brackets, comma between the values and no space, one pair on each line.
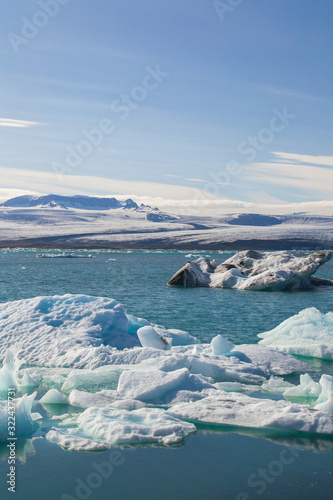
[216,463]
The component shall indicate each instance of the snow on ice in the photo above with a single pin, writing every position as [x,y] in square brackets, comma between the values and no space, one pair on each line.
[253,270]
[127,381]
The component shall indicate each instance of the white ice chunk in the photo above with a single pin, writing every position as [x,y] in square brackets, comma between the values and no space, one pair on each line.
[149,337]
[221,346]
[308,333]
[276,385]
[53,396]
[308,388]
[83,399]
[223,369]
[268,359]
[176,337]
[146,425]
[325,400]
[245,411]
[151,384]
[9,370]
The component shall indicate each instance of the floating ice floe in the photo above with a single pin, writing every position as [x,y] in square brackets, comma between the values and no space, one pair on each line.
[145,425]
[307,388]
[253,270]
[97,428]
[323,390]
[241,410]
[308,333]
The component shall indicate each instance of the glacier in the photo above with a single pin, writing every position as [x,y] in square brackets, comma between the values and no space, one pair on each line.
[254,270]
[125,381]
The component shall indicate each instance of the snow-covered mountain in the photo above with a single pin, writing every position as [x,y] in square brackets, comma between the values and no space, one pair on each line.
[79,202]
[88,221]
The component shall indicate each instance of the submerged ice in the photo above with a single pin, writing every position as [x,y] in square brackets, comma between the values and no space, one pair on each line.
[253,270]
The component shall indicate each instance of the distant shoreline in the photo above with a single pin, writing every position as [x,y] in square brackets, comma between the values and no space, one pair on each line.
[255,244]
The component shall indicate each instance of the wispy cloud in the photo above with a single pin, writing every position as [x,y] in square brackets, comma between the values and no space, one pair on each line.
[310,179]
[171,198]
[196,180]
[300,158]
[9,122]
[6,194]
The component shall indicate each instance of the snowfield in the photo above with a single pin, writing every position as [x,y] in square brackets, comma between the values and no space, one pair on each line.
[85,222]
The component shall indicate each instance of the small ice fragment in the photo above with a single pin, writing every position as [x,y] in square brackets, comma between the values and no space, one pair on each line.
[221,346]
[53,396]
[149,337]
[325,400]
[307,388]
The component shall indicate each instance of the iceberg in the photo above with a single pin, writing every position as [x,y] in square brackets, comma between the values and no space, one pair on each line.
[308,333]
[142,426]
[325,399]
[253,270]
[245,411]
[150,385]
[127,381]
[322,391]
[307,388]
[77,331]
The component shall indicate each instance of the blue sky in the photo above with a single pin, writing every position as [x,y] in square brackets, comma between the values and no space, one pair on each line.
[202,84]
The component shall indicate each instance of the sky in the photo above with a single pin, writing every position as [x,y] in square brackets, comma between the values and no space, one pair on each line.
[193,105]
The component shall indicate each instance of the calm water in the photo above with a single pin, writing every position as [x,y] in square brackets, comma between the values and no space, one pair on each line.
[215,463]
